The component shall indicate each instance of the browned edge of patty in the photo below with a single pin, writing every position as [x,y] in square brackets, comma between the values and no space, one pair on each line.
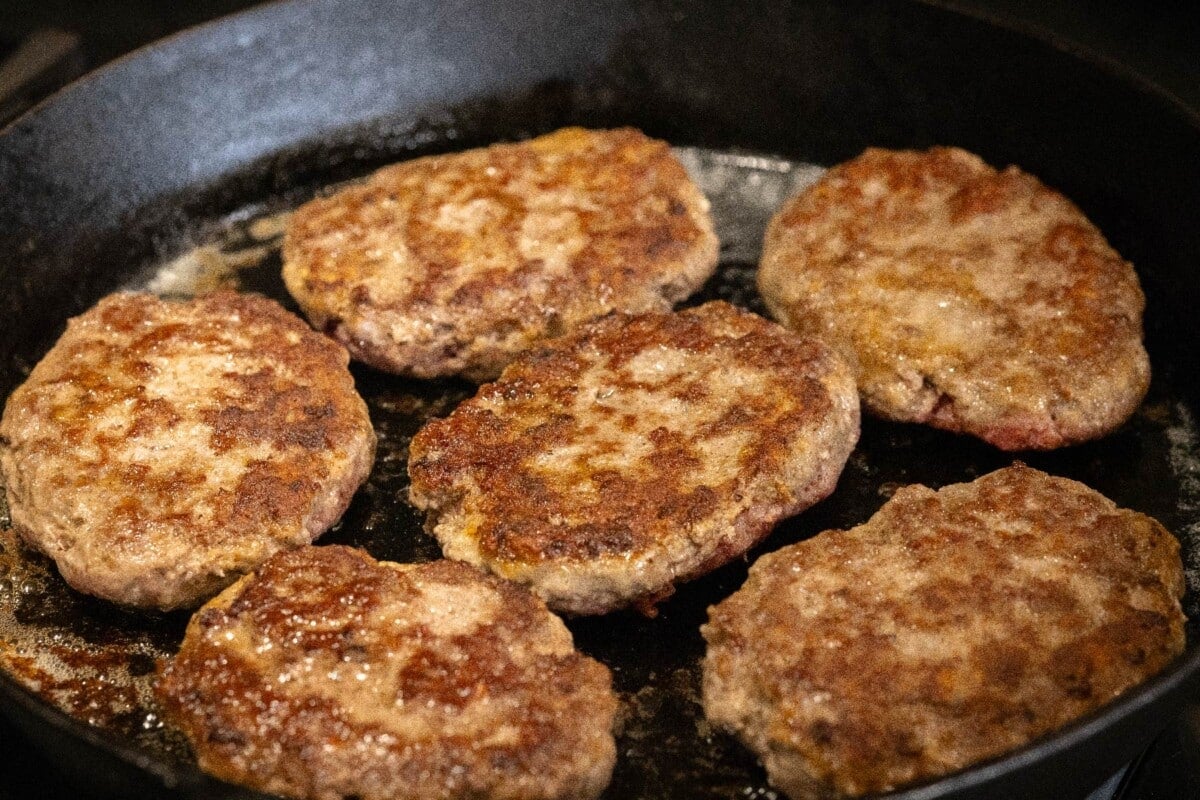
[327,674]
[607,465]
[970,299]
[451,264]
[162,448]
[952,627]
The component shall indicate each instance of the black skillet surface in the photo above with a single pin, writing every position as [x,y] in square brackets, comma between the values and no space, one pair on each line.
[126,167]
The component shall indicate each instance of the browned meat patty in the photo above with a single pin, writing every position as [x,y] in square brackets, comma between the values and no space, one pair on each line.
[453,264]
[161,449]
[327,674]
[607,465]
[953,626]
[969,299]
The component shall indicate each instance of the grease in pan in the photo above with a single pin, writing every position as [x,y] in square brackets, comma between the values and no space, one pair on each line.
[666,749]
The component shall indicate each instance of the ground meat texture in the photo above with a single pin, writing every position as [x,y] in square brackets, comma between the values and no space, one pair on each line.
[452,264]
[163,448]
[327,674]
[607,465]
[950,628]
[970,299]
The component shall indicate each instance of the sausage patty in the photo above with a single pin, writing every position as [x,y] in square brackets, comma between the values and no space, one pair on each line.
[452,264]
[953,626]
[607,465]
[327,674]
[973,300]
[161,449]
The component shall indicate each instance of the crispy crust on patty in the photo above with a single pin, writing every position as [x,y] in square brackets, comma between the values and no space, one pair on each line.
[452,264]
[950,628]
[973,300]
[607,465]
[161,449]
[327,674]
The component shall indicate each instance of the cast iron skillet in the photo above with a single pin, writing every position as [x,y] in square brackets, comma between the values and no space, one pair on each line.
[258,110]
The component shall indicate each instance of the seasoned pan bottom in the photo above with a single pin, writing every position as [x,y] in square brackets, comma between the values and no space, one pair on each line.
[96,662]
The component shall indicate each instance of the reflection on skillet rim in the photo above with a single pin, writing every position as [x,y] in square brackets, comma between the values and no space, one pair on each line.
[1130,710]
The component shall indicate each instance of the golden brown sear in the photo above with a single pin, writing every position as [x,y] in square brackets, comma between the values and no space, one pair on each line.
[640,451]
[452,264]
[951,627]
[327,674]
[163,448]
[973,300]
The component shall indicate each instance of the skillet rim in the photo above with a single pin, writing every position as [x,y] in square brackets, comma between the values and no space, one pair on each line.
[1073,48]
[1181,676]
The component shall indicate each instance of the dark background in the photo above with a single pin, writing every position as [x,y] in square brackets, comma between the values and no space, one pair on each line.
[1160,42]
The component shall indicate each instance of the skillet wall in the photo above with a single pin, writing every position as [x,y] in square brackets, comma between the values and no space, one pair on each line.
[115,171]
